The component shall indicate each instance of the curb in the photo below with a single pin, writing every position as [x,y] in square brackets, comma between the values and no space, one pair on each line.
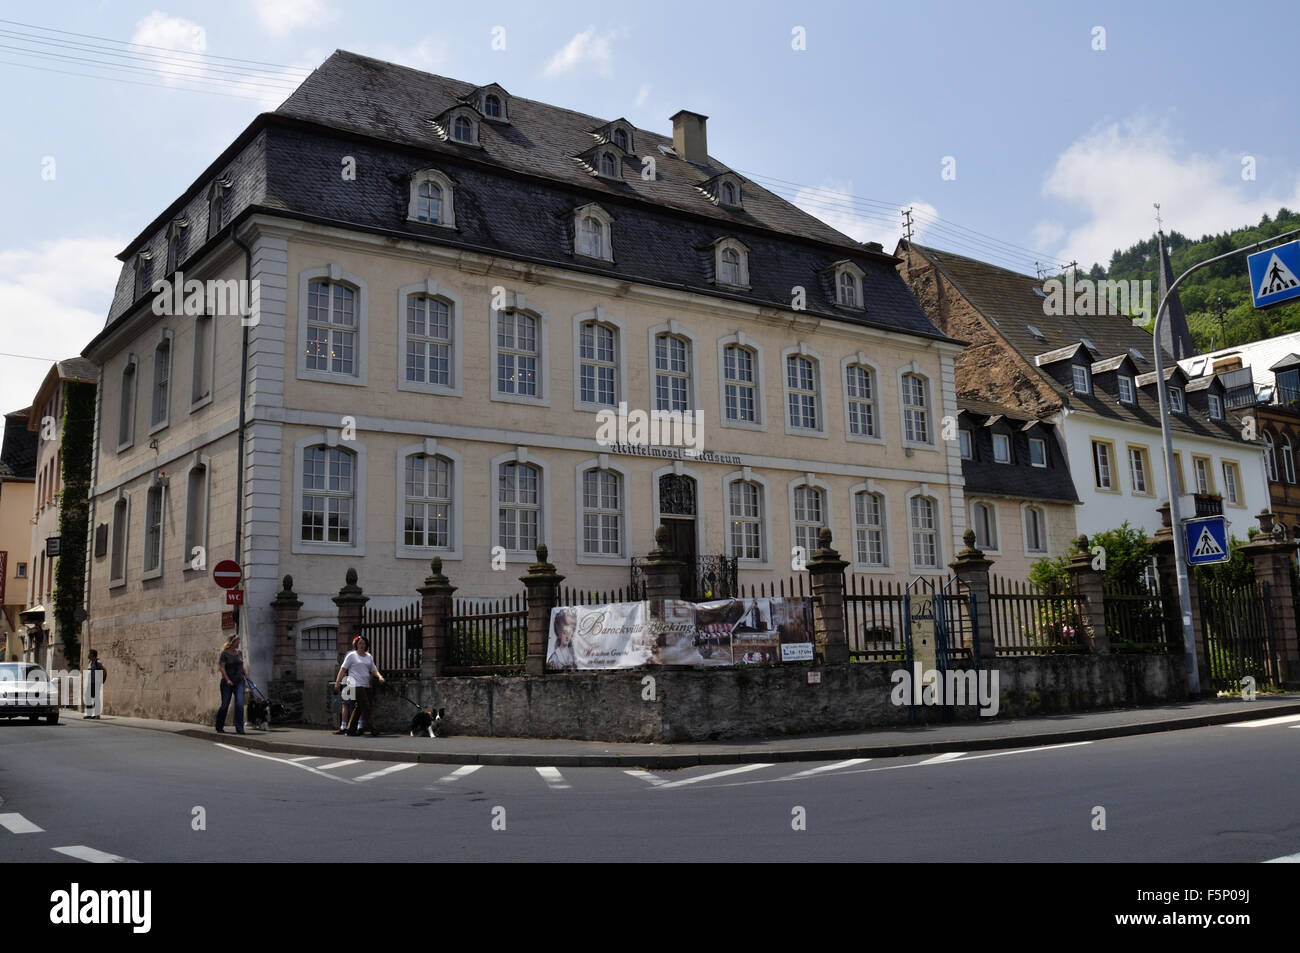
[692,759]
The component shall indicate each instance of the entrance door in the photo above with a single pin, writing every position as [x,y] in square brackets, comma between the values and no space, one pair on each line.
[677,513]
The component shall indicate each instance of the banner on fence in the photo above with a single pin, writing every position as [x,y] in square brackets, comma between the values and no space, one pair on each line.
[675,632]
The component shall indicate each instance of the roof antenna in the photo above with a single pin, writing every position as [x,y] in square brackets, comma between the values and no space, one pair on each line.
[1160,222]
[907,222]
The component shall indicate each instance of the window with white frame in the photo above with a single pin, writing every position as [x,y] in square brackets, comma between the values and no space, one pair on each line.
[1270,457]
[126,405]
[1001,448]
[1137,468]
[1176,400]
[328,495]
[728,194]
[848,286]
[1125,389]
[1231,481]
[204,353]
[869,529]
[162,372]
[916,408]
[492,106]
[1201,469]
[597,363]
[1216,407]
[1101,465]
[602,513]
[196,514]
[519,506]
[609,165]
[177,233]
[429,343]
[1037,452]
[1082,379]
[801,392]
[518,354]
[1288,460]
[462,129]
[984,521]
[808,517]
[117,559]
[332,328]
[433,199]
[218,206]
[1035,530]
[428,502]
[745,515]
[967,447]
[592,233]
[860,386]
[672,373]
[732,263]
[923,514]
[428,202]
[739,390]
[153,530]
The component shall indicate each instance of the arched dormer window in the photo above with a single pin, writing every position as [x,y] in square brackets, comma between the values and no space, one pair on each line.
[432,199]
[592,227]
[621,139]
[609,165]
[732,265]
[462,129]
[848,285]
[177,233]
[492,106]
[728,194]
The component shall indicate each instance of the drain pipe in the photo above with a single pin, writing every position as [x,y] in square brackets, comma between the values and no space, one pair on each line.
[243,420]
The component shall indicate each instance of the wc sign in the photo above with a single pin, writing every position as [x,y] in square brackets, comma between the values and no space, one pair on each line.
[1207,540]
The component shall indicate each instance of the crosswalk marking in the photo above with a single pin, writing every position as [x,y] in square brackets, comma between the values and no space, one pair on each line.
[292,764]
[459,773]
[1263,722]
[305,757]
[17,824]
[999,754]
[338,764]
[645,776]
[81,852]
[829,767]
[709,777]
[553,778]
[941,758]
[388,770]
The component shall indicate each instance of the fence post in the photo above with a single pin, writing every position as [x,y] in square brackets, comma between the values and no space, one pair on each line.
[352,603]
[662,570]
[435,610]
[1162,543]
[285,606]
[826,572]
[972,567]
[542,583]
[1271,553]
[1087,585]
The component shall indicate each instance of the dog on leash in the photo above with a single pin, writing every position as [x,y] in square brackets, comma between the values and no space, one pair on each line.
[428,722]
[260,712]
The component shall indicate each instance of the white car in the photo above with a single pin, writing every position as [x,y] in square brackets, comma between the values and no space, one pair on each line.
[25,690]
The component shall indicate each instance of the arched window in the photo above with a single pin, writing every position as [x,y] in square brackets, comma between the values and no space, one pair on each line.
[331,327]
[728,193]
[745,516]
[328,495]
[848,290]
[590,236]
[597,363]
[860,385]
[428,501]
[608,165]
[801,392]
[672,373]
[620,139]
[1270,457]
[462,129]
[196,513]
[984,521]
[869,529]
[126,405]
[428,203]
[602,513]
[916,409]
[492,106]
[432,199]
[1288,460]
[738,375]
[117,559]
[517,353]
[729,273]
[808,517]
[519,507]
[923,513]
[162,372]
[153,530]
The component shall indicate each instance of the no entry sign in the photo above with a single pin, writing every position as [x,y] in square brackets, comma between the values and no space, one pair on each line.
[227,574]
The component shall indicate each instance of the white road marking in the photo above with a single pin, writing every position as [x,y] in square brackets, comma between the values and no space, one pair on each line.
[81,852]
[1289,858]
[645,776]
[709,777]
[388,770]
[553,778]
[292,764]
[1263,722]
[459,773]
[305,757]
[941,758]
[851,762]
[338,764]
[17,824]
[999,754]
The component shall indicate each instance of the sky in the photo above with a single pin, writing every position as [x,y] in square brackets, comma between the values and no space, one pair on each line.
[1018,133]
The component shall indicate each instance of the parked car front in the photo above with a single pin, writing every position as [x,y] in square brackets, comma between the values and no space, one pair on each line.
[26,690]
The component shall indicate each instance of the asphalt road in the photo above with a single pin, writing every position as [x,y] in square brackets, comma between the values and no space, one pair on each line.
[96,792]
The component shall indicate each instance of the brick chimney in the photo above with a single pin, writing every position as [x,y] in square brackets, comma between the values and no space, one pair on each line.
[689,136]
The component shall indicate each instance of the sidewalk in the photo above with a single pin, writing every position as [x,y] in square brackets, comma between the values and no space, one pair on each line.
[928,739]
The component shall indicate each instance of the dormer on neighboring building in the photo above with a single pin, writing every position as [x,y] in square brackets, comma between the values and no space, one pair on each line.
[1071,366]
[459,124]
[492,102]
[619,133]
[723,189]
[1117,377]
[846,285]
[1175,381]
[1207,395]
[1286,377]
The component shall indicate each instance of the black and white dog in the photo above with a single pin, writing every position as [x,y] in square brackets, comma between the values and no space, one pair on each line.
[260,712]
[428,722]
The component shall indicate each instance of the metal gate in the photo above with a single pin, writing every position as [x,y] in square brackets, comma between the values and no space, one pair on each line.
[1237,625]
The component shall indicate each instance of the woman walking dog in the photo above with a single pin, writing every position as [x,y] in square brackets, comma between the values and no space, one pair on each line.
[231,666]
[358,666]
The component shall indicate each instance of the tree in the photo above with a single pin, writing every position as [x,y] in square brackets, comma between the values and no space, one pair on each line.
[1126,551]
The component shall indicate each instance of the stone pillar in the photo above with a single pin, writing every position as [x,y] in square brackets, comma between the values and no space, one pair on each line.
[972,567]
[543,584]
[285,605]
[662,570]
[826,571]
[435,610]
[1162,544]
[1271,553]
[1086,583]
[351,602]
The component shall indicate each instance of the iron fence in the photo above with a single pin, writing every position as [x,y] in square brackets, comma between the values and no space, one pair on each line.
[487,636]
[1028,620]
[1141,619]
[396,638]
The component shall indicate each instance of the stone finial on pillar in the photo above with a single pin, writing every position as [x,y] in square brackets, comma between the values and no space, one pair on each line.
[435,613]
[542,584]
[826,572]
[661,569]
[972,567]
[352,603]
[285,606]
[1088,584]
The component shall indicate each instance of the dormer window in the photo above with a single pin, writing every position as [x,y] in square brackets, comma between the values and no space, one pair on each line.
[848,285]
[592,226]
[1216,407]
[728,193]
[432,199]
[1082,380]
[143,273]
[609,165]
[177,232]
[492,106]
[462,130]
[621,139]
[1125,390]
[492,102]
[218,205]
[1176,400]
[732,263]
[848,290]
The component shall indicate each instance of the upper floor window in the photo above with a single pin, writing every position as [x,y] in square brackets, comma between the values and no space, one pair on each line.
[1231,482]
[462,129]
[492,106]
[869,529]
[967,450]
[620,139]
[848,285]
[745,517]
[732,263]
[432,199]
[592,233]
[597,363]
[429,341]
[985,522]
[126,405]
[1216,407]
[519,506]
[1137,464]
[143,274]
[802,392]
[1288,460]
[602,513]
[672,373]
[1201,471]
[728,194]
[218,206]
[848,290]
[1082,379]
[518,354]
[117,559]
[916,409]
[1035,530]
[153,531]
[923,512]
[204,359]
[1125,389]
[608,165]
[427,503]
[1037,452]
[1270,457]
[328,495]
[738,388]
[1101,465]
[808,516]
[162,372]
[331,328]
[196,514]
[177,233]
[1001,448]
[1176,400]
[860,386]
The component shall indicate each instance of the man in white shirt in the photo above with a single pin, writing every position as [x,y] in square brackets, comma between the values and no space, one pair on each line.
[359,665]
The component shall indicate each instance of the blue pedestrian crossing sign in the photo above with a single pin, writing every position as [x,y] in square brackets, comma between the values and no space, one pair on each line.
[1207,540]
[1275,274]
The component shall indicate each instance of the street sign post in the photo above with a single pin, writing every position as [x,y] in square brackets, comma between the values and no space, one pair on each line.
[1207,540]
[227,574]
[1275,274]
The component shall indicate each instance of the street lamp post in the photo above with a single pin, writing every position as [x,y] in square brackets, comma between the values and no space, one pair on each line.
[1180,544]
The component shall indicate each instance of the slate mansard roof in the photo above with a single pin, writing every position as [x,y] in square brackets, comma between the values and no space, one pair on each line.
[18,449]
[516,192]
[1018,479]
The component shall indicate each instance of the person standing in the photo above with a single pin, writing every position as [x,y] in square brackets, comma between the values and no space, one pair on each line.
[358,666]
[231,666]
[92,693]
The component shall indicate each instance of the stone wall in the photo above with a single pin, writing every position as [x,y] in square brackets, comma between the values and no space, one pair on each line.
[761,701]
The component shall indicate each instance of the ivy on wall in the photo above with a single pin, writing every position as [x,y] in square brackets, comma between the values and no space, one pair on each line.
[78,440]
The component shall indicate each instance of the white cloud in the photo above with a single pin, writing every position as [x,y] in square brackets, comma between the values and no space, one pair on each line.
[642,95]
[586,48]
[863,221]
[1116,172]
[58,294]
[283,16]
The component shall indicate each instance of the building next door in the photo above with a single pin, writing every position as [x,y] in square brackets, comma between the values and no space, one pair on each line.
[677,512]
